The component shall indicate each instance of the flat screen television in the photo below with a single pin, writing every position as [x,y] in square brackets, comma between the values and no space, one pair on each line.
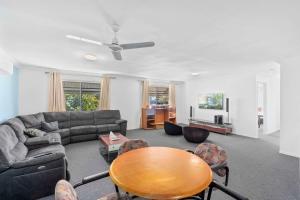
[211,101]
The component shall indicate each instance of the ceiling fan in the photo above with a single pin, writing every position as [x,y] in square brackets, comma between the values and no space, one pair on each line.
[115,47]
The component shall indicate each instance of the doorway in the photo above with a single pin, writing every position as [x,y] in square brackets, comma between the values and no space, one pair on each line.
[261,92]
[268,101]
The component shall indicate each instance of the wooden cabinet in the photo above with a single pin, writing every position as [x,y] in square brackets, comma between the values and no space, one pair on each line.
[212,127]
[154,117]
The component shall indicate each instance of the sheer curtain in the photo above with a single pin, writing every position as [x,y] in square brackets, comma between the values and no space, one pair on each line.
[145,99]
[104,102]
[172,96]
[145,94]
[56,93]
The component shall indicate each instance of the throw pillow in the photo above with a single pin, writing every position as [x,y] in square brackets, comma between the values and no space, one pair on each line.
[51,126]
[33,132]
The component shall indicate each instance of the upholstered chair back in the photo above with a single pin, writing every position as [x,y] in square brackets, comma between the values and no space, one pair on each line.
[131,145]
[65,191]
[213,155]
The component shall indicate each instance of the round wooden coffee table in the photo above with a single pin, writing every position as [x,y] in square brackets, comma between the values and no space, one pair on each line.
[160,173]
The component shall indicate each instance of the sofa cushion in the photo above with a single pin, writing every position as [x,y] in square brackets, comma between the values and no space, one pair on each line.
[105,128]
[83,130]
[11,149]
[33,121]
[33,132]
[48,139]
[63,118]
[106,116]
[63,132]
[50,126]
[102,128]
[81,118]
[17,125]
[41,156]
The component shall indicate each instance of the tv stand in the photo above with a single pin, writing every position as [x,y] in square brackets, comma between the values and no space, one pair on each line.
[211,127]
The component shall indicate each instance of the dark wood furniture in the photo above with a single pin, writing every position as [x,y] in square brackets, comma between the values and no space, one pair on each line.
[156,173]
[211,127]
[109,148]
[154,117]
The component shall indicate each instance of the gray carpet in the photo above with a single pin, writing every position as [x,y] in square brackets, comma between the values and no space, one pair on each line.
[257,170]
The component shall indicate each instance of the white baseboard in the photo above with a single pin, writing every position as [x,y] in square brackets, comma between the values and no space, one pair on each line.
[289,154]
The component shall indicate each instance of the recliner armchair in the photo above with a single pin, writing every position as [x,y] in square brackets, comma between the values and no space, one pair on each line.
[23,172]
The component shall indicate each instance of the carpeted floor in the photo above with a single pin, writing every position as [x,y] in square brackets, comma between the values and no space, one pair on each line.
[257,170]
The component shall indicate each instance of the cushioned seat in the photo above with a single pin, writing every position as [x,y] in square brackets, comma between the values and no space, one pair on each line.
[49,149]
[83,130]
[23,172]
[195,135]
[216,157]
[106,128]
[172,129]
[46,140]
[63,132]
[41,155]
[65,191]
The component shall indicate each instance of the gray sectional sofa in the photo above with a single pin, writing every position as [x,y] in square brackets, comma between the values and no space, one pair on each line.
[31,166]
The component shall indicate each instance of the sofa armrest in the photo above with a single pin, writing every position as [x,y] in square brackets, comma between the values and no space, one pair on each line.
[119,121]
[123,126]
[37,142]
[38,159]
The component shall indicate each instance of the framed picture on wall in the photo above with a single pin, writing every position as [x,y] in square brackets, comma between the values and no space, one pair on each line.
[211,101]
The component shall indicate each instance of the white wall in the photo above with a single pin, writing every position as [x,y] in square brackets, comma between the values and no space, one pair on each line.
[290,107]
[6,64]
[33,91]
[126,97]
[125,94]
[182,108]
[33,94]
[240,89]
[272,115]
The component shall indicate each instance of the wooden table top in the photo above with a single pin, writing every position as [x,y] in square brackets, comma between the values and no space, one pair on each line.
[160,173]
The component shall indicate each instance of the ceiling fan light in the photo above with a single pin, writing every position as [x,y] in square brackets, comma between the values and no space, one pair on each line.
[90,57]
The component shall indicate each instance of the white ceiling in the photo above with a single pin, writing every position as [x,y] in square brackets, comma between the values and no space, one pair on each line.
[205,36]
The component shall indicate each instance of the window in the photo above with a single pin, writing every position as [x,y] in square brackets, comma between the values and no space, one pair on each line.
[158,95]
[81,96]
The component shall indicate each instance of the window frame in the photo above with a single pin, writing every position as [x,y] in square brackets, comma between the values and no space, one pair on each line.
[81,91]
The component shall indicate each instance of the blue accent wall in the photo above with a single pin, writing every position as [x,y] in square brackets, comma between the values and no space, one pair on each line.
[9,95]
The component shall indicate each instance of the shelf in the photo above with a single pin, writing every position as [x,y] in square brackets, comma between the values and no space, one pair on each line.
[154,124]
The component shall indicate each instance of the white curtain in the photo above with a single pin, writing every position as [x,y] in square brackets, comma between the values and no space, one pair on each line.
[56,97]
[104,102]
[145,94]
[172,96]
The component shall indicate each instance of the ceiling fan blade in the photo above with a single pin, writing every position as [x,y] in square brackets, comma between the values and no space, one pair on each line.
[137,45]
[117,55]
[73,37]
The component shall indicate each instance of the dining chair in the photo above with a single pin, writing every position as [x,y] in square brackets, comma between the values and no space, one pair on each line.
[225,190]
[131,145]
[216,157]
[65,191]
